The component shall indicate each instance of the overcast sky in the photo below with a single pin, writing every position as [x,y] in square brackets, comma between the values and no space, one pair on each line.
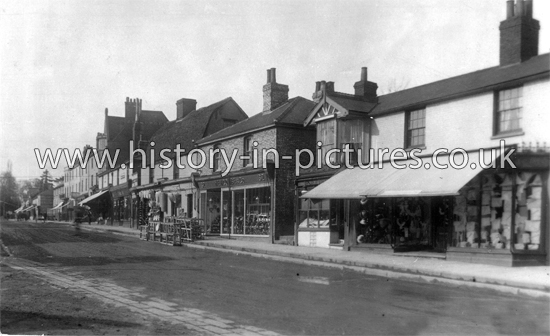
[63,62]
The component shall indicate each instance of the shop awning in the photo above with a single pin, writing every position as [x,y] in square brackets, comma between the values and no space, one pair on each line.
[93,197]
[390,181]
[29,208]
[58,206]
[19,209]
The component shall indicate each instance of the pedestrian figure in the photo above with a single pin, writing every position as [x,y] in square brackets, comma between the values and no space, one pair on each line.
[89,217]
[77,227]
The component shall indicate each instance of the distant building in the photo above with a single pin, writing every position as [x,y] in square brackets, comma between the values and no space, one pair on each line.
[172,189]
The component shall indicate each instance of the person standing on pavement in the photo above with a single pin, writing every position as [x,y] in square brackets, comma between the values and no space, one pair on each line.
[89,217]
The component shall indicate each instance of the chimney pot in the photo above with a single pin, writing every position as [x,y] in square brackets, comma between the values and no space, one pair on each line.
[106,111]
[529,8]
[323,86]
[184,107]
[330,86]
[519,8]
[364,74]
[317,86]
[519,33]
[274,94]
[509,9]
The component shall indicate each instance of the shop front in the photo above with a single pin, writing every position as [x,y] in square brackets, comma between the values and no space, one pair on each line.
[319,222]
[237,206]
[495,216]
[100,204]
[121,204]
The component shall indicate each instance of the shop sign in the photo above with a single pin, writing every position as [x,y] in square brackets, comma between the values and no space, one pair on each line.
[311,182]
[122,176]
[234,181]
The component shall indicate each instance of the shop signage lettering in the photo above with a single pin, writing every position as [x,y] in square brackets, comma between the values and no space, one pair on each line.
[234,181]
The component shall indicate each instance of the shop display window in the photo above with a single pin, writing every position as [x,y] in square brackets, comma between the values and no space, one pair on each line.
[238,219]
[412,221]
[489,214]
[528,212]
[242,211]
[314,213]
[374,222]
[258,214]
[227,211]
[466,225]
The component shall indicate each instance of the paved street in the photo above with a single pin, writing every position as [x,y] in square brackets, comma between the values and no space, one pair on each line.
[159,289]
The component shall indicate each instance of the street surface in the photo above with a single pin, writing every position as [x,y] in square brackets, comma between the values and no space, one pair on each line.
[60,281]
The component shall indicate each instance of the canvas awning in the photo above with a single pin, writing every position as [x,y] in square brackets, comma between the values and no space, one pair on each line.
[93,197]
[19,209]
[390,181]
[58,206]
[29,208]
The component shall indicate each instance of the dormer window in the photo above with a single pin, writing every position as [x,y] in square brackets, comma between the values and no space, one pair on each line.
[326,134]
[509,106]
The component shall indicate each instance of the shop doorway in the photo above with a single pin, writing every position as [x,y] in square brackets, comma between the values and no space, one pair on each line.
[442,215]
[211,210]
[189,206]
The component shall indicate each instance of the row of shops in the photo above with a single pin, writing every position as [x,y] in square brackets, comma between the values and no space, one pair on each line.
[237,205]
[496,216]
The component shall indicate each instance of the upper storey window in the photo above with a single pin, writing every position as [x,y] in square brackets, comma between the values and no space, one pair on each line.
[509,106]
[415,128]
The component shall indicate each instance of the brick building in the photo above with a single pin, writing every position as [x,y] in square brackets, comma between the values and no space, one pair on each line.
[110,196]
[254,197]
[170,189]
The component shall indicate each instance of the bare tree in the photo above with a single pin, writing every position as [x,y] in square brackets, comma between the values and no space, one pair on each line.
[395,85]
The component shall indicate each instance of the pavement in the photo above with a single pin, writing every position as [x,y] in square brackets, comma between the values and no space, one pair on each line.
[532,281]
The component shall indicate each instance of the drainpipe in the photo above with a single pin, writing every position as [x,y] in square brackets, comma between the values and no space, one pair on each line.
[274,204]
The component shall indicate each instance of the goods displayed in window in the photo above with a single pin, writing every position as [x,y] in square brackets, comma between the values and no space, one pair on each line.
[245,211]
[402,221]
[314,213]
[528,212]
[412,222]
[374,222]
[487,210]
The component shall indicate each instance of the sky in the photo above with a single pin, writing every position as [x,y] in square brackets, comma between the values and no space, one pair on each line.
[63,62]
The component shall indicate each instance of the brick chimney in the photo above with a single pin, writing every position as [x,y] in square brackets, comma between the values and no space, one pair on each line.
[130,109]
[275,94]
[184,107]
[136,131]
[366,89]
[519,33]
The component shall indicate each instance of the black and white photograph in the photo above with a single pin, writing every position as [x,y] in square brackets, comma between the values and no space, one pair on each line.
[277,167]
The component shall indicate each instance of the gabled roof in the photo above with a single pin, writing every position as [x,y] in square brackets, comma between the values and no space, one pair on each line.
[115,125]
[446,89]
[186,130]
[344,103]
[351,102]
[463,85]
[120,131]
[293,111]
